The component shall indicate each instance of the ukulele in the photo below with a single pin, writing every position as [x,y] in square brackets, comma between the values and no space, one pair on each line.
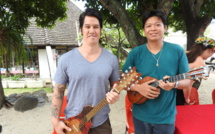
[198,73]
[81,123]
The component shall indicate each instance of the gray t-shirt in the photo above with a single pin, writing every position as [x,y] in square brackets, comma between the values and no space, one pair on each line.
[88,82]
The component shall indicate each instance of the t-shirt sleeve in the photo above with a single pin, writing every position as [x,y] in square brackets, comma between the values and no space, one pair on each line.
[183,62]
[61,76]
[115,74]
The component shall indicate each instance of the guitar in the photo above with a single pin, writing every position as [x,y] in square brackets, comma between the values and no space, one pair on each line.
[197,73]
[81,123]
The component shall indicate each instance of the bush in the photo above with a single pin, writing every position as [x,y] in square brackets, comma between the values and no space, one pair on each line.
[16,77]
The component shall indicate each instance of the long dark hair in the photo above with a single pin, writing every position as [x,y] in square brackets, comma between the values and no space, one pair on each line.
[196,50]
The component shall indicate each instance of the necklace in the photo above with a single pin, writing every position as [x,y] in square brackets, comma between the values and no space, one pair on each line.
[157,59]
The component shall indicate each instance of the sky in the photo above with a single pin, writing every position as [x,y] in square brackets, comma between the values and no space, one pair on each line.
[79,4]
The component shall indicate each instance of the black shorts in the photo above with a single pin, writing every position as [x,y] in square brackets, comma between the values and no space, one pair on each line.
[105,128]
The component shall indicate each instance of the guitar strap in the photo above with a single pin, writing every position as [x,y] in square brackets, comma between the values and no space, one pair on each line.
[196,84]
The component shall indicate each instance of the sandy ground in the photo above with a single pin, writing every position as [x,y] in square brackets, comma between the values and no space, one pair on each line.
[38,120]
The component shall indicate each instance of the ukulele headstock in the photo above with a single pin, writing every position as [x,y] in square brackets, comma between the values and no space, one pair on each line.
[128,78]
[199,73]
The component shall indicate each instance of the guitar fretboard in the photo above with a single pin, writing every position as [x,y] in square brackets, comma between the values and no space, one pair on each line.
[170,79]
[93,112]
[96,109]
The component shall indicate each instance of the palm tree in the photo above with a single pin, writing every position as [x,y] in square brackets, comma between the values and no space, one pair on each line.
[11,41]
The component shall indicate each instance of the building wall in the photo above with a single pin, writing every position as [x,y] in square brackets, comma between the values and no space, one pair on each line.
[44,68]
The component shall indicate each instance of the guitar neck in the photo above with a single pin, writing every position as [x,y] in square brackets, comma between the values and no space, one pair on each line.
[96,109]
[170,79]
[128,78]
[101,104]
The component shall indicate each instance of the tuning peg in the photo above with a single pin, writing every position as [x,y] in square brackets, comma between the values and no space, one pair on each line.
[131,71]
[124,78]
[129,83]
[141,78]
[122,74]
[132,84]
[129,67]
[129,88]
[132,80]
[126,71]
[120,81]
[136,81]
[136,76]
[125,86]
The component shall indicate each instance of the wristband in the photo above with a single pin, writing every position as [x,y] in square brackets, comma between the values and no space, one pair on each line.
[176,84]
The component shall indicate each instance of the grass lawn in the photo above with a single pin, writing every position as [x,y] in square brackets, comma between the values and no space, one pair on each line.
[8,91]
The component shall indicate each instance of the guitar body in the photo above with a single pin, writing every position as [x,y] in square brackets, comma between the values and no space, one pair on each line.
[78,123]
[135,97]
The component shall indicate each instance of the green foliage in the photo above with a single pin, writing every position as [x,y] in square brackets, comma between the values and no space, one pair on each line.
[112,38]
[121,64]
[16,77]
[114,34]
[208,8]
[46,12]
[3,76]
[11,40]
[176,19]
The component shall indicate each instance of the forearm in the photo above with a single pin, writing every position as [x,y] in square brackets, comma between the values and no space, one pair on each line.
[57,100]
[183,84]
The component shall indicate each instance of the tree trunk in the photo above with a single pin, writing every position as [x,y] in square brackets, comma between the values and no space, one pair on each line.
[6,65]
[196,29]
[2,96]
[165,6]
[119,12]
[3,100]
[23,67]
[195,24]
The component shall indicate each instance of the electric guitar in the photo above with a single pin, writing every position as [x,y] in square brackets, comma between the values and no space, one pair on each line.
[81,123]
[197,73]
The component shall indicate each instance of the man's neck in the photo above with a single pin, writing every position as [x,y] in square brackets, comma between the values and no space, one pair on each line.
[155,46]
[87,49]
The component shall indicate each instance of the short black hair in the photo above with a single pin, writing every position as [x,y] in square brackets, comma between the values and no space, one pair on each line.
[160,14]
[90,12]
